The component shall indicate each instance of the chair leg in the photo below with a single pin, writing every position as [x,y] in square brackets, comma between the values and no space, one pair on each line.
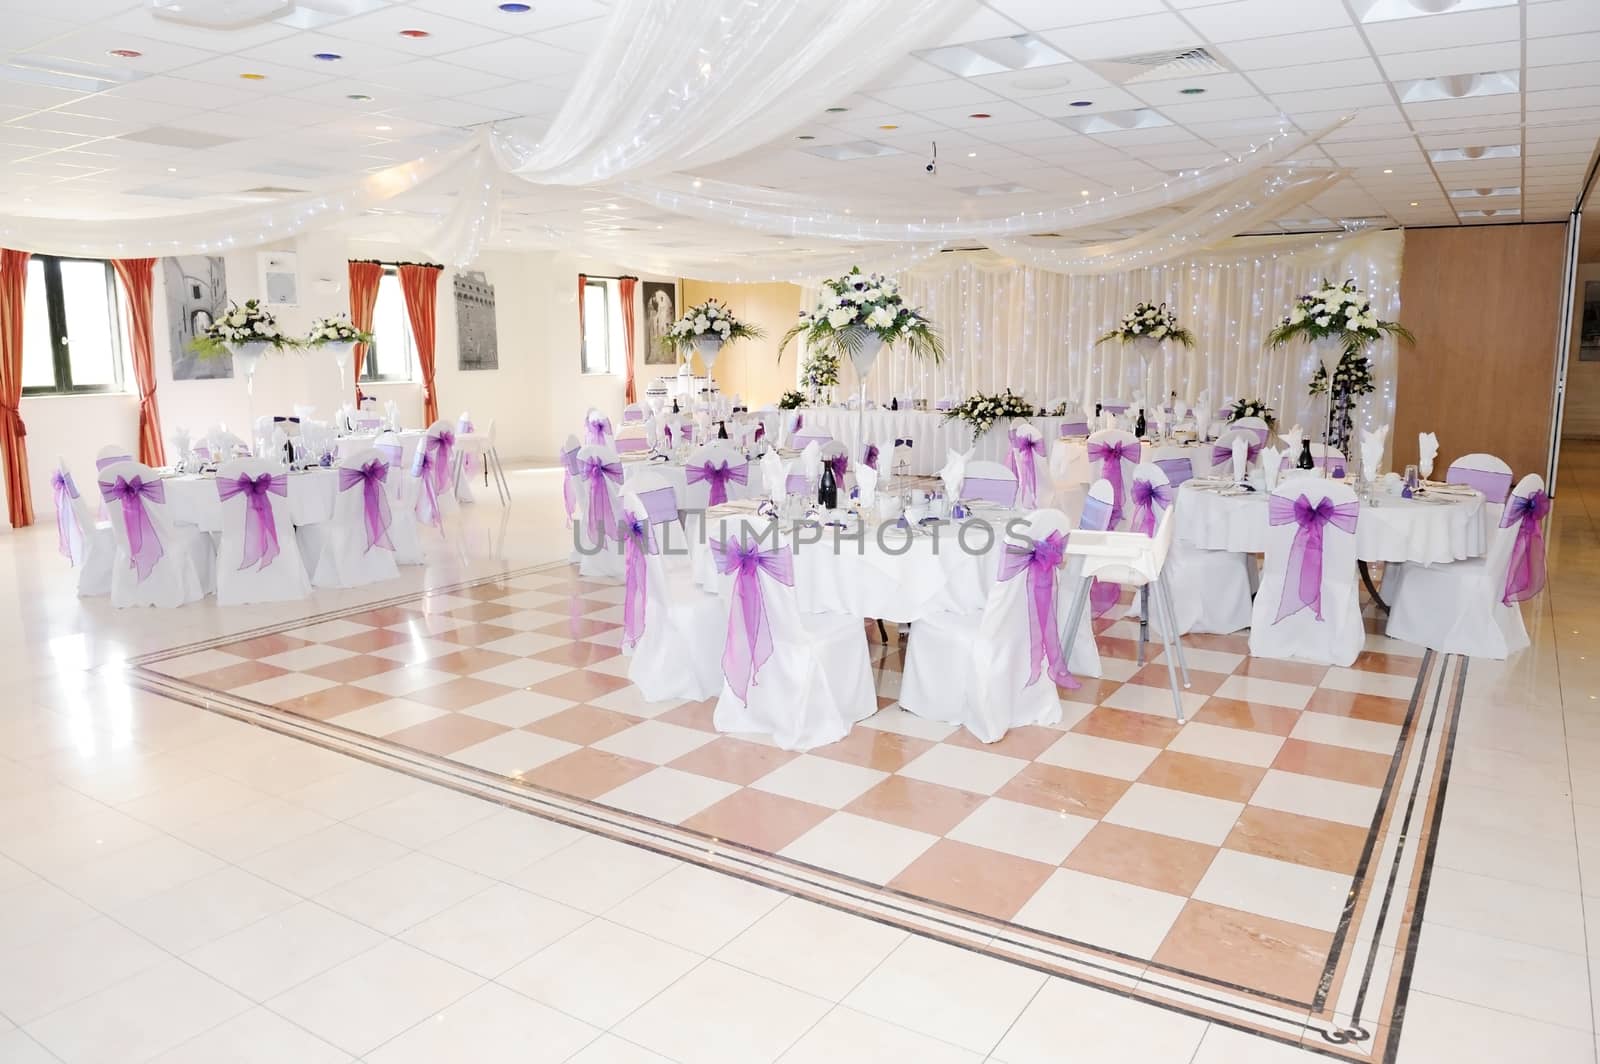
[501,485]
[1080,599]
[1172,677]
[1172,625]
[1144,619]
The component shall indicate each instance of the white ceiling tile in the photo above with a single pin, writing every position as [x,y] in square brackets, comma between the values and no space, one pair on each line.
[1051,14]
[1042,81]
[225,70]
[1244,19]
[1350,99]
[1547,99]
[1472,59]
[1446,31]
[1336,74]
[1320,46]
[1174,90]
[1567,48]
[998,110]
[1222,110]
[445,79]
[1099,101]
[384,26]
[1562,17]
[1126,36]
[951,92]
[983,24]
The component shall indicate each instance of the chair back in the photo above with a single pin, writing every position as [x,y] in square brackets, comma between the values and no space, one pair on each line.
[257,530]
[707,483]
[835,454]
[1484,472]
[807,436]
[1256,426]
[111,454]
[1516,557]
[1287,592]
[362,498]
[1113,455]
[633,439]
[633,413]
[136,502]
[1222,450]
[596,429]
[1032,585]
[1096,516]
[1113,406]
[74,517]
[755,643]
[1176,462]
[989,482]
[597,484]
[1150,496]
[1322,457]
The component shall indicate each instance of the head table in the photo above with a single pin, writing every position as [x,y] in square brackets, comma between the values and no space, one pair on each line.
[931,433]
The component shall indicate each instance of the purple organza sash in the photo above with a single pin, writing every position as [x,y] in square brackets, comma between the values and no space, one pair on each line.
[660,505]
[569,470]
[602,520]
[1041,560]
[441,445]
[989,489]
[1113,408]
[260,530]
[1525,574]
[840,464]
[761,432]
[422,467]
[144,546]
[638,539]
[1222,455]
[1302,580]
[749,642]
[869,457]
[65,491]
[796,484]
[1177,470]
[1111,456]
[632,444]
[1073,428]
[598,432]
[1023,460]
[110,460]
[718,473]
[1494,484]
[802,439]
[375,502]
[666,432]
[1147,498]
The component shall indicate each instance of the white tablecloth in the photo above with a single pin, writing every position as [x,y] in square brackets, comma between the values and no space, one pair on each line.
[896,577]
[409,439]
[1395,530]
[933,434]
[192,499]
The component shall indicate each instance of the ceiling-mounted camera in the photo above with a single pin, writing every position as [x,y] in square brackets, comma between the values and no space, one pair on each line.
[933,163]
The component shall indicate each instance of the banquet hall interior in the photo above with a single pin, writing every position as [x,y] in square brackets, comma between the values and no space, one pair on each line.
[750,531]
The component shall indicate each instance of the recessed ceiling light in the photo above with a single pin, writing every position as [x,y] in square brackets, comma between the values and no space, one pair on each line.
[415,35]
[999,55]
[972,155]
[384,129]
[1414,203]
[837,110]
[359,97]
[1084,191]
[172,169]
[1082,103]
[697,182]
[327,57]
[1190,92]
[254,77]
[516,9]
[1388,171]
[125,53]
[889,125]
[979,114]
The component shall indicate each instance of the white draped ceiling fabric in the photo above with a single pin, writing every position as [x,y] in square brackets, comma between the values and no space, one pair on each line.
[1033,330]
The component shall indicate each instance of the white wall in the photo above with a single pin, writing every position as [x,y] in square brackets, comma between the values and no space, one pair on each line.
[537,396]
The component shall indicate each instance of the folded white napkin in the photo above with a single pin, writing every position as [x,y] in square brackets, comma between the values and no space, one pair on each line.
[1427,451]
[392,410]
[1292,441]
[1179,412]
[180,441]
[1203,402]
[1241,458]
[954,473]
[811,461]
[775,471]
[1372,452]
[1088,412]
[1271,466]
[1202,422]
[866,486]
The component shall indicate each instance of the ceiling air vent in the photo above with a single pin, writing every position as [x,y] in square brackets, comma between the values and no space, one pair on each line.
[1148,66]
[172,137]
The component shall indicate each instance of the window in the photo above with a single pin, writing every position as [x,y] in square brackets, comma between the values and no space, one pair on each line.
[72,327]
[393,351]
[602,326]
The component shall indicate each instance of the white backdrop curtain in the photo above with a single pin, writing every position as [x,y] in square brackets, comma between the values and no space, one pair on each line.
[1010,325]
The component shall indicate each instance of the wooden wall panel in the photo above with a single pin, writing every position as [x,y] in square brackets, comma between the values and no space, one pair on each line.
[1485,305]
[750,368]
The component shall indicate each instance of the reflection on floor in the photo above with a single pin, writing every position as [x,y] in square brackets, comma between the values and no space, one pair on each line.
[474,839]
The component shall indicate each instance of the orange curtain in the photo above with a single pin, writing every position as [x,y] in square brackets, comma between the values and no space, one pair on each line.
[583,336]
[13,435]
[625,288]
[421,286]
[138,281]
[364,278]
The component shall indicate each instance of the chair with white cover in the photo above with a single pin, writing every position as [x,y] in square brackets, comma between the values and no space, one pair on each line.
[999,668]
[1308,608]
[715,473]
[599,481]
[569,473]
[433,467]
[1028,458]
[258,556]
[1113,406]
[634,413]
[836,456]
[89,544]
[405,488]
[633,439]
[1255,426]
[1487,474]
[1473,607]
[1222,449]
[1137,560]
[790,422]
[111,454]
[664,508]
[356,547]
[158,563]
[806,435]
[472,442]
[596,429]
[1176,462]
[1209,589]
[804,679]
[670,627]
[1113,455]
[989,482]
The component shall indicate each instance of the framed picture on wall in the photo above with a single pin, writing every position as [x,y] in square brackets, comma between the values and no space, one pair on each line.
[476,339]
[1589,327]
[660,311]
[196,290]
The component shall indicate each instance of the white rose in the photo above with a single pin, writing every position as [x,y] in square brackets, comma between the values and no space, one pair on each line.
[1138,328]
[1323,321]
[881,318]
[701,323]
[840,317]
[1296,316]
[1352,311]
[1159,332]
[711,311]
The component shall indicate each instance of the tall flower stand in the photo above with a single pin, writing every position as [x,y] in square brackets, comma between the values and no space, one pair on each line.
[708,347]
[863,346]
[246,359]
[341,359]
[1330,351]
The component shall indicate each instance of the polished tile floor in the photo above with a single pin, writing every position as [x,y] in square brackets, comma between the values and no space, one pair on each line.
[565,872]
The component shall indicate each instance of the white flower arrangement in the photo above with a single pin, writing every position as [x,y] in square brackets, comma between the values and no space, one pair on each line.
[710,320]
[1339,312]
[336,331]
[982,412]
[1253,408]
[791,400]
[241,325]
[860,304]
[1149,321]
[821,369]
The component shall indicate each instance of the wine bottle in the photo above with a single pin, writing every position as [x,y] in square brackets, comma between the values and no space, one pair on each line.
[1139,424]
[828,488]
[1305,461]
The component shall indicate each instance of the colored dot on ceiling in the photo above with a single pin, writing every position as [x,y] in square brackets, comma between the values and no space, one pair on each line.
[415,35]
[836,110]
[805,136]
[1190,92]
[125,53]
[359,97]
[1082,103]
[327,57]
[515,9]
[979,114]
[254,77]
[889,125]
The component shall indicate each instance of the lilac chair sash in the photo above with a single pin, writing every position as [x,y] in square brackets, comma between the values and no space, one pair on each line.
[840,464]
[392,453]
[1096,516]
[1221,455]
[1114,408]
[1302,581]
[749,641]
[630,415]
[1111,456]
[64,491]
[1177,470]
[869,457]
[1041,560]
[260,530]
[1023,460]
[569,470]
[144,546]
[660,505]
[802,439]
[632,444]
[422,467]
[597,432]
[1525,574]
[375,502]
[1148,498]
[718,473]
[442,446]
[989,489]
[597,471]
[1494,484]
[796,484]
[368,423]
[110,460]
[1073,428]
[638,539]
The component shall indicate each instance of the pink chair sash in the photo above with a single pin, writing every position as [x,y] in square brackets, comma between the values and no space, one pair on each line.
[1041,560]
[1111,456]
[1302,581]
[1148,498]
[840,464]
[260,530]
[375,502]
[144,546]
[749,641]
[718,473]
[1526,572]
[64,491]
